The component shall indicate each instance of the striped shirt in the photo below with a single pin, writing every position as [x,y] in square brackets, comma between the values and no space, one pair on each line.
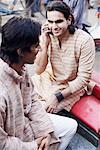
[22,119]
[70,66]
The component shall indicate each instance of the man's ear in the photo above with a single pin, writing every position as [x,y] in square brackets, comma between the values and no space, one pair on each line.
[69,20]
[19,52]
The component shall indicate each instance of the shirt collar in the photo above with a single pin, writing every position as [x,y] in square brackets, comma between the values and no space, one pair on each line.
[13,73]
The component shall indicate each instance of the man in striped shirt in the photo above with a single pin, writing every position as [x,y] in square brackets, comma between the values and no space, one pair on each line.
[24,124]
[65,62]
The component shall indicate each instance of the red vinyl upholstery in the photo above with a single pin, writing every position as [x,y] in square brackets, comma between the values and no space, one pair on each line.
[87,109]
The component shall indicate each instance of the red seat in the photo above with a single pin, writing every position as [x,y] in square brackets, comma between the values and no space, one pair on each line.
[87,109]
[87,113]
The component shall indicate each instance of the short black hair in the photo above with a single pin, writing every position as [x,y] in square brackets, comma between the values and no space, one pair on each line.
[64,9]
[18,32]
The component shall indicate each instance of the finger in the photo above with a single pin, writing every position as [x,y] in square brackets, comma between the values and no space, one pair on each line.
[47,144]
[52,110]
[38,140]
[49,109]
[42,145]
[46,29]
[45,25]
[46,147]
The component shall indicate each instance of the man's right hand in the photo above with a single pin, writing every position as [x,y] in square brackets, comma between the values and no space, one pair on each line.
[44,142]
[39,140]
[45,38]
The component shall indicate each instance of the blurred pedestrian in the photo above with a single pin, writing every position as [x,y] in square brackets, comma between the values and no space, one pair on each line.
[32,6]
[6,6]
[91,4]
[80,12]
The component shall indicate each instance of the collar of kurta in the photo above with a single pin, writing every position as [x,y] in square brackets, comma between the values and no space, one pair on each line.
[18,78]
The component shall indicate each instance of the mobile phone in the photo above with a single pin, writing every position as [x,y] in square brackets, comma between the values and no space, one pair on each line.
[50,33]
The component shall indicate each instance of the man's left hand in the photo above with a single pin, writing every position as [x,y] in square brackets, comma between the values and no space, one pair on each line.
[53,103]
[45,143]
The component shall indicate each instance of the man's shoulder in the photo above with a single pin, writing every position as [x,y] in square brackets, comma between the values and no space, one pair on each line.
[82,35]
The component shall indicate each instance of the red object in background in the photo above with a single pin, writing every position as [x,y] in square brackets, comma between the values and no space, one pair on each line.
[87,109]
[96,91]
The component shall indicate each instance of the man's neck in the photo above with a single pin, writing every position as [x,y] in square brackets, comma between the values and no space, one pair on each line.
[18,68]
[64,36]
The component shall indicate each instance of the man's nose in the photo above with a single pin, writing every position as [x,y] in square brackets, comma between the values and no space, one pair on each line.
[54,25]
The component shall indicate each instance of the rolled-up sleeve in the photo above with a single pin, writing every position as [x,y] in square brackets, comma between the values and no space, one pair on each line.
[40,121]
[86,62]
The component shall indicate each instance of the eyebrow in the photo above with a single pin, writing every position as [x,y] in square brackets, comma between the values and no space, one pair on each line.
[56,21]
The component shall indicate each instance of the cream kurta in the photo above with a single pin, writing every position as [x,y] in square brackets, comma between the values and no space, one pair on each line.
[70,66]
[22,118]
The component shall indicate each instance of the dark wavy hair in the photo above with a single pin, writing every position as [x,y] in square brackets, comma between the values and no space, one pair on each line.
[64,9]
[18,32]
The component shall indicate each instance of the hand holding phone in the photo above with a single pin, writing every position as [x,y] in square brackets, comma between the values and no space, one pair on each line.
[45,38]
[46,28]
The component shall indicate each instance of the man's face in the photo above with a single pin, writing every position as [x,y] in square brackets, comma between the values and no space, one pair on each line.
[57,23]
[30,56]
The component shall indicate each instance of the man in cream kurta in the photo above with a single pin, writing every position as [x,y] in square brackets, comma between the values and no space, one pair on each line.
[68,60]
[17,125]
[24,124]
